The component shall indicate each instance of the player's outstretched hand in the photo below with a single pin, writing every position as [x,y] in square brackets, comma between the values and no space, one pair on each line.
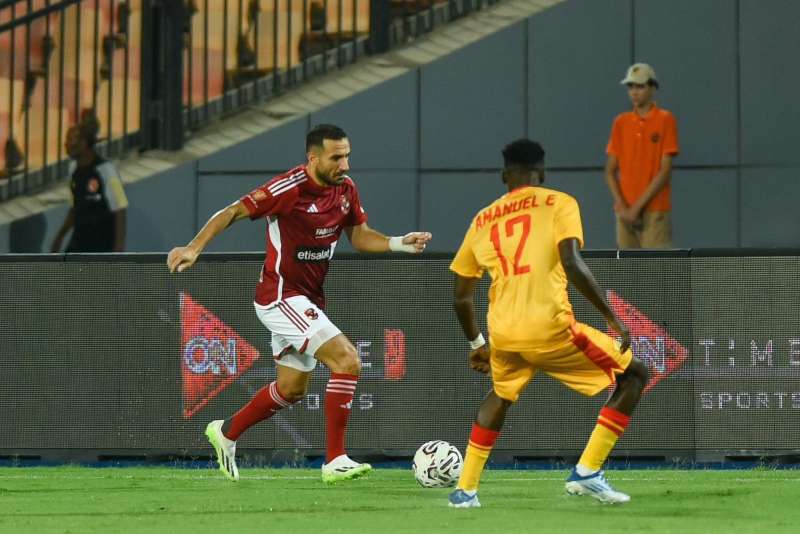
[181,258]
[479,359]
[419,240]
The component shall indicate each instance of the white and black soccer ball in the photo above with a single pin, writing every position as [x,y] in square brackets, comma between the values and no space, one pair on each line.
[437,464]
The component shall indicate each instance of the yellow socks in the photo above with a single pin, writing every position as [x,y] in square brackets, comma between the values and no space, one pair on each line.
[481,441]
[610,426]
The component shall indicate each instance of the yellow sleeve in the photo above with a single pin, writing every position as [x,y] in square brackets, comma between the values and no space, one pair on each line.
[117,199]
[115,193]
[465,263]
[568,220]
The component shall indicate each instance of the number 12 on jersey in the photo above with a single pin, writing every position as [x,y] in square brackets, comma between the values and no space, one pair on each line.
[511,228]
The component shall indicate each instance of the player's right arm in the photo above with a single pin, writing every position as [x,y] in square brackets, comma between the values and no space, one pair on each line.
[581,277]
[271,198]
[612,180]
[464,304]
[181,258]
[468,273]
[66,226]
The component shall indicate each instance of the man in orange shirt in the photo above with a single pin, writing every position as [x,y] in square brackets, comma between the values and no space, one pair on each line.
[640,151]
[529,241]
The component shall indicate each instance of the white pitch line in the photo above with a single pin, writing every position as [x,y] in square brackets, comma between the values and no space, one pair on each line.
[214,476]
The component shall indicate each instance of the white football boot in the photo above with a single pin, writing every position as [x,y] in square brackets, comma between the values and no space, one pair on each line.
[225,448]
[343,468]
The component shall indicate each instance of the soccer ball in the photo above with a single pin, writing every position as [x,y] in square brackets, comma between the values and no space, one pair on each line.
[437,464]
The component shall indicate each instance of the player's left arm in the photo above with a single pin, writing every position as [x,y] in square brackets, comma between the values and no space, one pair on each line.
[464,304]
[365,239]
[581,277]
[119,230]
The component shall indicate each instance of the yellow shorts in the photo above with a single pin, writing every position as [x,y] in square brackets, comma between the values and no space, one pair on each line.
[588,363]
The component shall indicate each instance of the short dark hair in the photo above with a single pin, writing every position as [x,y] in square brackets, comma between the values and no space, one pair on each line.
[320,132]
[88,127]
[523,154]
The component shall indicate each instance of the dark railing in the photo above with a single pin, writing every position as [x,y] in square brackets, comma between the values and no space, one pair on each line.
[63,62]
[146,72]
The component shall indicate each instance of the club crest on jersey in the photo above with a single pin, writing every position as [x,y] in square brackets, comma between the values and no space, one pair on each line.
[312,254]
[93,185]
[312,314]
[344,204]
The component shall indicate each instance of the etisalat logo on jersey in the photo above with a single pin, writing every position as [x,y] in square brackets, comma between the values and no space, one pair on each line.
[213,355]
[312,254]
[651,343]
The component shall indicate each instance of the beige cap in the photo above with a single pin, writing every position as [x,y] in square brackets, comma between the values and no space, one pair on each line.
[640,74]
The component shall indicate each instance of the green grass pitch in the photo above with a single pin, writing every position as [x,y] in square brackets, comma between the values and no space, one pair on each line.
[174,500]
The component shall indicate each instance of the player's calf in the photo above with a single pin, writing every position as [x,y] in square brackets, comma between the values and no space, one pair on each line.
[342,359]
[265,403]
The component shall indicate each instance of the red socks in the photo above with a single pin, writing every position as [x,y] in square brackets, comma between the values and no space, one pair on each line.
[262,406]
[268,400]
[338,403]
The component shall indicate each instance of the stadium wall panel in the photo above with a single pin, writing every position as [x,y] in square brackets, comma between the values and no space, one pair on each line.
[382,124]
[215,191]
[769,206]
[696,63]
[35,232]
[769,105]
[590,189]
[274,151]
[705,209]
[577,53]
[448,201]
[161,211]
[471,102]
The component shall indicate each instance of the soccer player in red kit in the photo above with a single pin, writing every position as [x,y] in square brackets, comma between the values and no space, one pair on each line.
[306,210]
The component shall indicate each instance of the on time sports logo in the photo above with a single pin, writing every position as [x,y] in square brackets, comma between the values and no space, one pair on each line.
[213,355]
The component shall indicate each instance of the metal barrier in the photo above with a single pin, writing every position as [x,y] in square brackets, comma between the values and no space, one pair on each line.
[146,72]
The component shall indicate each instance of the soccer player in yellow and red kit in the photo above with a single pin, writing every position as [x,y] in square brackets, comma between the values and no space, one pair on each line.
[306,210]
[529,240]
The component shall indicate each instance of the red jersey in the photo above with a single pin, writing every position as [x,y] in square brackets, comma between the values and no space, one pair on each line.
[304,222]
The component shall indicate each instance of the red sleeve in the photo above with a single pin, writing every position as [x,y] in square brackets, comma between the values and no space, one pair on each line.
[357,214]
[261,203]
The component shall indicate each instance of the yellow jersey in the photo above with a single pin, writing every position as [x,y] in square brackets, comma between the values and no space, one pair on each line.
[516,239]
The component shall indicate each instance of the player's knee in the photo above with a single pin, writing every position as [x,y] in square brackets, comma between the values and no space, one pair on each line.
[349,362]
[292,391]
[495,398]
[636,375]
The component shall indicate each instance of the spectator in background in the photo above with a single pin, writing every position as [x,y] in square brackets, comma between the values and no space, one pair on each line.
[97,215]
[640,151]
